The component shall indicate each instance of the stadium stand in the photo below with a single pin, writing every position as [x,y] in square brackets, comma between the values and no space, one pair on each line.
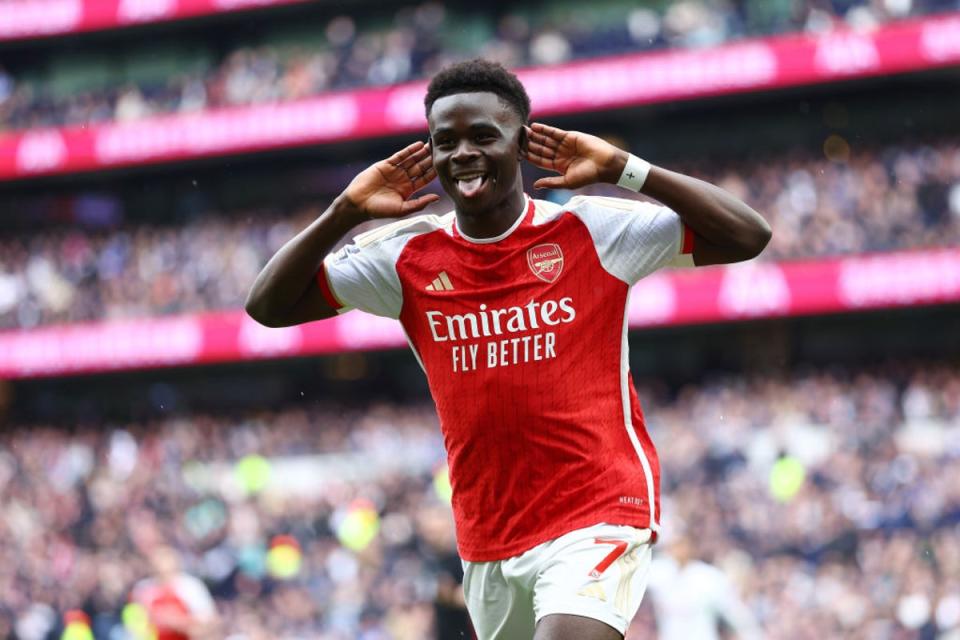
[862,544]
[354,50]
[822,476]
[903,196]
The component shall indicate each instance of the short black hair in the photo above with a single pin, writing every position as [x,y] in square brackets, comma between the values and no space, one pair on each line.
[479,75]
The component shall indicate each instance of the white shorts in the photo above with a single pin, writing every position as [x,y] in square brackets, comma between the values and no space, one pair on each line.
[598,572]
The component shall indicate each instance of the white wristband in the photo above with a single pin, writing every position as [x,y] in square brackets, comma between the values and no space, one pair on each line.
[634,173]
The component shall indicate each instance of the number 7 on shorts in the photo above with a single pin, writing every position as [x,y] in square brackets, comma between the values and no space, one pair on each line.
[619,546]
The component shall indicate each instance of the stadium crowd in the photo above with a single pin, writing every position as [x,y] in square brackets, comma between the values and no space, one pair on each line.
[351,52]
[875,200]
[831,499]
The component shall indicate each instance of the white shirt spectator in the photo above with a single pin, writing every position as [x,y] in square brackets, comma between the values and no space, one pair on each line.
[690,599]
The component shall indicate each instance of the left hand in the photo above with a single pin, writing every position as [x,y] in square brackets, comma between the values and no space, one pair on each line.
[580,158]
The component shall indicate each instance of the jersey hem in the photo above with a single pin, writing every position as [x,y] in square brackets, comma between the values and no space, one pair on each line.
[326,290]
[686,246]
[494,554]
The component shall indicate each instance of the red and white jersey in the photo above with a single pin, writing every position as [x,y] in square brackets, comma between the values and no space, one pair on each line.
[182,595]
[523,338]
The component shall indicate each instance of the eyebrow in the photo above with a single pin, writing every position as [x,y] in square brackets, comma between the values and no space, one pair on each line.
[472,127]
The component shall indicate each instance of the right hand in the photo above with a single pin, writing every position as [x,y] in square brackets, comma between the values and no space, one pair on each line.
[382,189]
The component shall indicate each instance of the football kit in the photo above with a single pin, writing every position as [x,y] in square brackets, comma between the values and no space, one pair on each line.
[184,595]
[523,339]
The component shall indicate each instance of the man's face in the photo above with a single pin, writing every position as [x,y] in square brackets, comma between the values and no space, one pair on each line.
[165,561]
[475,140]
[682,549]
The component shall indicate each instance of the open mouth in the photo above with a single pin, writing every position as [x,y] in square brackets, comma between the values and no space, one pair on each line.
[470,184]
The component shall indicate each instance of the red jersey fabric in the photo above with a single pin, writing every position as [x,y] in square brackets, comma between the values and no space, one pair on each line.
[523,339]
[165,598]
[184,595]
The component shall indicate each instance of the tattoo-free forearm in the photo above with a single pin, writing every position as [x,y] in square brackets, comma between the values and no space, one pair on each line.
[288,274]
[712,213]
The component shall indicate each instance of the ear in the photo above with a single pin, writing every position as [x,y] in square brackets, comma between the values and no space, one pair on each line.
[522,142]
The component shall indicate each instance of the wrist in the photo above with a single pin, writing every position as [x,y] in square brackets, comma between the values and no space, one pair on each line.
[615,167]
[347,213]
[634,173]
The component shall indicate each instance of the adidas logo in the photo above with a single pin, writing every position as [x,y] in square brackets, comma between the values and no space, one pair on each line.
[593,591]
[441,283]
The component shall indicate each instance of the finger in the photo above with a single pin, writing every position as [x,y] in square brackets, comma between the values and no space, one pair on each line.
[415,166]
[415,157]
[548,131]
[539,161]
[421,167]
[419,153]
[528,133]
[541,150]
[397,158]
[546,141]
[553,182]
[546,160]
[419,204]
[424,179]
[416,173]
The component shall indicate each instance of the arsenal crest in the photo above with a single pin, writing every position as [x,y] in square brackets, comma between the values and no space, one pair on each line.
[546,261]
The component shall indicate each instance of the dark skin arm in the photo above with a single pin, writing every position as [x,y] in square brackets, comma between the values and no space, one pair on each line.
[727,229]
[285,292]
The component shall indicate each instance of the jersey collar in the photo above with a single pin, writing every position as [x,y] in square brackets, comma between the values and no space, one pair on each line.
[527,207]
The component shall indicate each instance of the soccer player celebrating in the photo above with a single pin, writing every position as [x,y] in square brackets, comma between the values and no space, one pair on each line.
[516,310]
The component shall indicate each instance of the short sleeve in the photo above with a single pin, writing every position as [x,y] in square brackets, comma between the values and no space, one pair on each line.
[362,277]
[196,596]
[634,239]
[363,274]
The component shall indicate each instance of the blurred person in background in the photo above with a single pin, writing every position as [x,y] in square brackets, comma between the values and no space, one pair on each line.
[178,605]
[692,598]
[451,620]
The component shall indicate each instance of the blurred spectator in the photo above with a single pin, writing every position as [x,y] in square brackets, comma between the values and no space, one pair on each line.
[421,39]
[692,598]
[899,197]
[865,545]
[451,619]
[177,606]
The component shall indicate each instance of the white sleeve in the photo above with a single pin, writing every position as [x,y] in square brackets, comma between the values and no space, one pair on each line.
[196,596]
[733,610]
[363,276]
[661,571]
[634,239]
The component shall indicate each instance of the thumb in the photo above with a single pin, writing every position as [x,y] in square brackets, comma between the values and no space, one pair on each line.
[418,204]
[553,182]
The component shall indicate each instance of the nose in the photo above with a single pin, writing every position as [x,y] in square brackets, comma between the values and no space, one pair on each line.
[464,153]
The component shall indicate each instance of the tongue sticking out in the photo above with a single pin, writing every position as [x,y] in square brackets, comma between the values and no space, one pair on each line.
[470,187]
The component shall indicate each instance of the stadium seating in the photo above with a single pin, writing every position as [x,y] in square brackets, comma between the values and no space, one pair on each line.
[823,479]
[881,199]
[855,545]
[351,51]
